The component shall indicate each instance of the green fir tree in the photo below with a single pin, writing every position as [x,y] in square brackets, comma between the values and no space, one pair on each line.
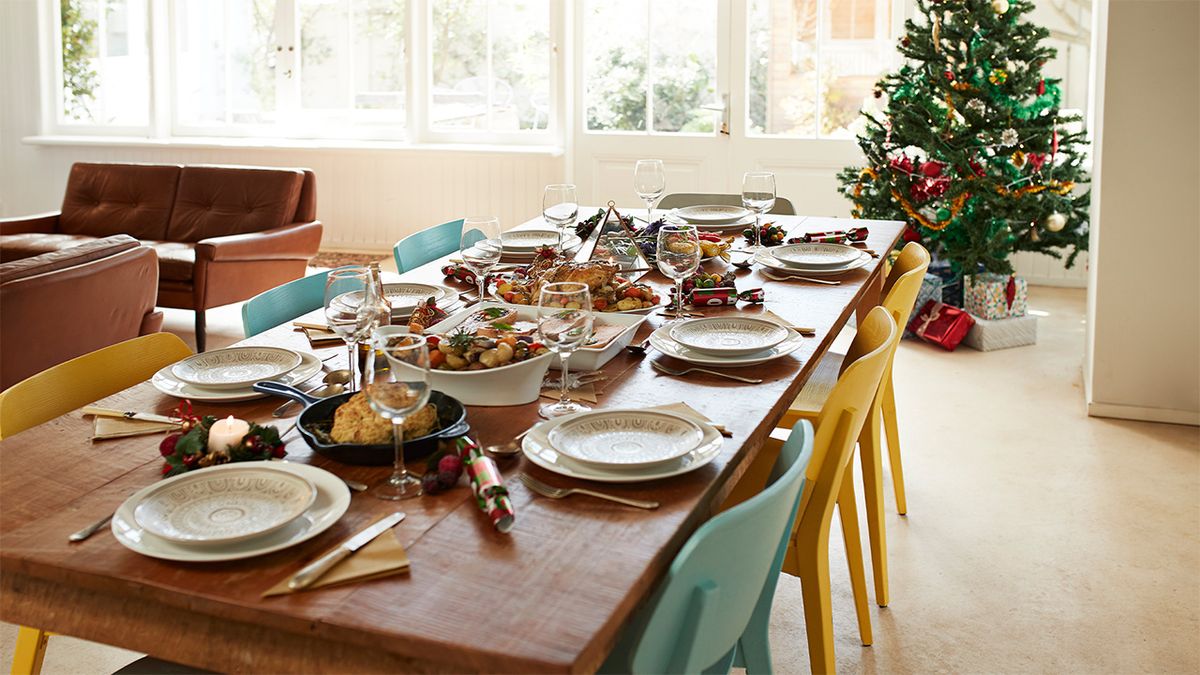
[971,149]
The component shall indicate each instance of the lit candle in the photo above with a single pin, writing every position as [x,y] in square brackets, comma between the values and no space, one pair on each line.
[227,432]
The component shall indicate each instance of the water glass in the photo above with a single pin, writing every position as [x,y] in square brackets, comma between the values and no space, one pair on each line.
[678,256]
[564,325]
[345,291]
[481,247]
[397,385]
[560,208]
[650,182]
[758,195]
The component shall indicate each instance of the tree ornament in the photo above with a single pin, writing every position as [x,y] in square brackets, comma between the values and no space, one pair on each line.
[1055,222]
[878,92]
[1041,87]
[1000,6]
[1009,137]
[1017,159]
[1033,233]
[997,77]
[948,75]
[976,106]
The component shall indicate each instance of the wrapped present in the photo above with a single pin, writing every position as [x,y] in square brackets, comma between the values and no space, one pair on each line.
[995,296]
[989,334]
[952,290]
[931,289]
[941,324]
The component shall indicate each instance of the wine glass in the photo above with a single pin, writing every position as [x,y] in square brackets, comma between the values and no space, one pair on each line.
[564,325]
[650,181]
[560,208]
[342,286]
[678,256]
[758,195]
[481,247]
[397,385]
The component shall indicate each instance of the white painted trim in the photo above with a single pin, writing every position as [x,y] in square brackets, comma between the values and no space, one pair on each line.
[1131,412]
[1057,282]
[1099,56]
[287,144]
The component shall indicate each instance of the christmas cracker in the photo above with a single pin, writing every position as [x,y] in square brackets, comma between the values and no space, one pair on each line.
[486,484]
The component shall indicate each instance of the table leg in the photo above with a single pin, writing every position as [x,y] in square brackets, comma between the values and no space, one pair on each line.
[871,296]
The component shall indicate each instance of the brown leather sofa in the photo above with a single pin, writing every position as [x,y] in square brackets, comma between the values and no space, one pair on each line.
[59,305]
[223,234]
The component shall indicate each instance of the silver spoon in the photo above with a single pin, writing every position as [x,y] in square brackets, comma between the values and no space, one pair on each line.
[510,448]
[333,377]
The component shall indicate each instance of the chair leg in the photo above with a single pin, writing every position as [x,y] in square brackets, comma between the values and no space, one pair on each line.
[30,651]
[872,466]
[200,328]
[848,510]
[813,568]
[891,427]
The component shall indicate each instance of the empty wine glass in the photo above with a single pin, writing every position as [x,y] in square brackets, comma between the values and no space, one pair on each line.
[397,385]
[345,291]
[560,208]
[678,256]
[650,181]
[564,325]
[481,247]
[758,195]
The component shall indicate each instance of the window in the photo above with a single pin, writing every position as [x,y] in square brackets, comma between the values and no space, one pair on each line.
[812,64]
[650,66]
[103,63]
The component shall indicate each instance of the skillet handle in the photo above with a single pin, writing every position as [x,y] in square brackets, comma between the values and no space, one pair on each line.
[455,430]
[286,391]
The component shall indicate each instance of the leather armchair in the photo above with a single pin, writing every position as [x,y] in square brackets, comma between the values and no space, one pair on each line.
[66,303]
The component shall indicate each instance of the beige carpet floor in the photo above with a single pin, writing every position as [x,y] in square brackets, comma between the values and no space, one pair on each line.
[1038,540]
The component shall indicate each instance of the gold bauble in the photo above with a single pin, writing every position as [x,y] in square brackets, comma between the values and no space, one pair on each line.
[1056,222]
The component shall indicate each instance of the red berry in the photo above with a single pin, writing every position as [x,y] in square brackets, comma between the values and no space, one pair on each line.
[429,483]
[166,468]
[167,447]
[446,479]
[279,451]
[451,464]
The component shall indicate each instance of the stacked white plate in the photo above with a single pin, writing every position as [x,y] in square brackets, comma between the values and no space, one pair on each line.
[812,259]
[717,352]
[728,336]
[521,245]
[231,511]
[403,297]
[713,217]
[227,375]
[622,446]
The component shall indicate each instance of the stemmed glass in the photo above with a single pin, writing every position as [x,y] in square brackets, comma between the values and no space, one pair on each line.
[650,181]
[560,208]
[678,257]
[481,247]
[564,325]
[342,314]
[758,195]
[397,385]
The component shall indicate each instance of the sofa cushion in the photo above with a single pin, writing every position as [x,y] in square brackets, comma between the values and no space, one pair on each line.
[66,257]
[29,244]
[216,201]
[176,260]
[133,199]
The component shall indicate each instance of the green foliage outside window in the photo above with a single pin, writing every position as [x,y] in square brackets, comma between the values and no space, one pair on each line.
[78,49]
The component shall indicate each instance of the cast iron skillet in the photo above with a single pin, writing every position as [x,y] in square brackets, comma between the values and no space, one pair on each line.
[452,417]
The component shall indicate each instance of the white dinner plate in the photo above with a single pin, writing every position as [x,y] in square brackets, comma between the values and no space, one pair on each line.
[740,224]
[525,241]
[661,340]
[170,385]
[728,335]
[766,259]
[235,367]
[223,507]
[538,449]
[625,439]
[816,255]
[402,296]
[712,214]
[333,498]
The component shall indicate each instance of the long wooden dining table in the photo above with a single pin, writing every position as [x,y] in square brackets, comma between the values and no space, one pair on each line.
[551,595]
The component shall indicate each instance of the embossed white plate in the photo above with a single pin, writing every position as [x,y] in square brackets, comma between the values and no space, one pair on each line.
[766,259]
[661,340]
[821,255]
[525,241]
[167,383]
[728,336]
[712,214]
[626,438]
[403,297]
[203,507]
[537,448]
[333,498]
[235,367]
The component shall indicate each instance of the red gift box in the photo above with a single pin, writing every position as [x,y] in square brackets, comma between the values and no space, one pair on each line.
[943,325]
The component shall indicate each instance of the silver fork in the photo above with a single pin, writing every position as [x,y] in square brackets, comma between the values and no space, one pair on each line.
[679,373]
[558,493]
[791,277]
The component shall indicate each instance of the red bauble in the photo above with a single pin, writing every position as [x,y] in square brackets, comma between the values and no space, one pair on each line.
[948,75]
[1041,88]
[932,169]
[1036,160]
[903,164]
[911,234]
[937,188]
[167,447]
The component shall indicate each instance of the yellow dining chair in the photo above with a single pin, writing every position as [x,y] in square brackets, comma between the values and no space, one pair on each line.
[899,293]
[63,388]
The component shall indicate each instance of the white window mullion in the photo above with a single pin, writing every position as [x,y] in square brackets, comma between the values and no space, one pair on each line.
[649,67]
[287,65]
[488,67]
[417,98]
[823,25]
[161,90]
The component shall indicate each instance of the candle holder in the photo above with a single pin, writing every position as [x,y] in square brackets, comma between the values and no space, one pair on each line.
[206,441]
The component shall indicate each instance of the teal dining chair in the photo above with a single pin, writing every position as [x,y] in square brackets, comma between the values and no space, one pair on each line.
[427,245]
[712,611]
[284,303]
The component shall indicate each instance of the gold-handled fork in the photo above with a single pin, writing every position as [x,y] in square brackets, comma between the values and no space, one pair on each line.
[792,277]
[680,373]
[558,493]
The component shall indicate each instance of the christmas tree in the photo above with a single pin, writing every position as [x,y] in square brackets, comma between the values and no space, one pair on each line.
[970,148]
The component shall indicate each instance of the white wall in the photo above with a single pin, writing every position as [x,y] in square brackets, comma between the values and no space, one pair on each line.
[1143,357]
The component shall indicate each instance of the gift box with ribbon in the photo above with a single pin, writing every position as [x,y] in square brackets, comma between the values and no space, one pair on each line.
[995,296]
[941,324]
[931,289]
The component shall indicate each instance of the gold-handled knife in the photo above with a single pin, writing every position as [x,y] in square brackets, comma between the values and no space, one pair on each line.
[128,414]
[309,575]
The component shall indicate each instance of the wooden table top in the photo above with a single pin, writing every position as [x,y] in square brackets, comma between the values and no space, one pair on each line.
[550,596]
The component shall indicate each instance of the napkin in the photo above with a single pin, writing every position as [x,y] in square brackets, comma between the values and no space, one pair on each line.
[382,557]
[585,392]
[321,338]
[120,427]
[688,411]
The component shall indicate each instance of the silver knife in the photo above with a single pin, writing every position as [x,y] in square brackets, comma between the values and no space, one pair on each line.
[309,575]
